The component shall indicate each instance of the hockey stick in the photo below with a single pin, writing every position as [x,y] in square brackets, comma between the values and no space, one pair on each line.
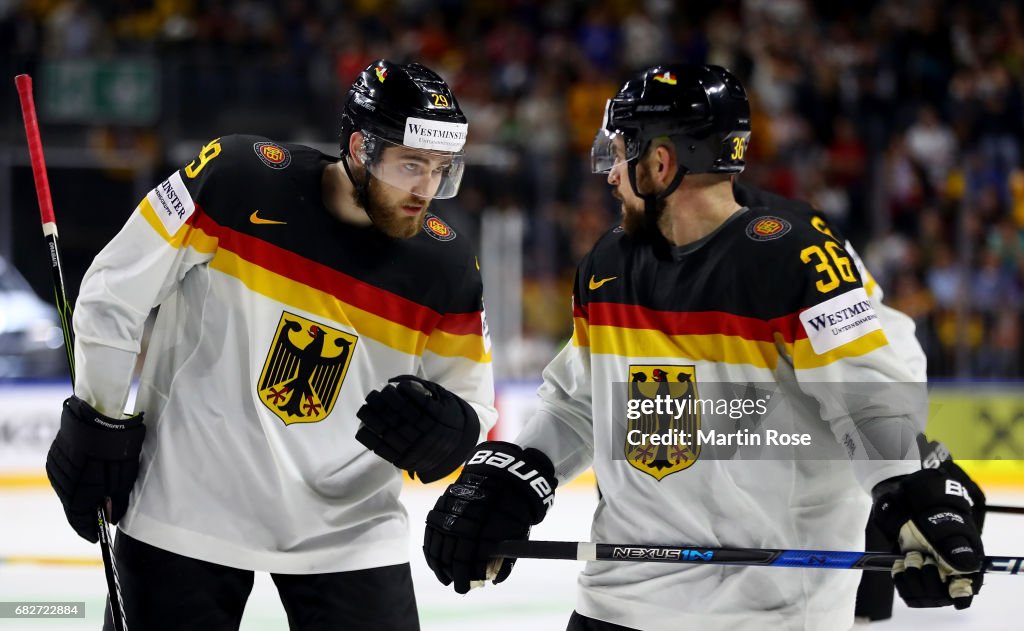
[1012,510]
[35,151]
[820,559]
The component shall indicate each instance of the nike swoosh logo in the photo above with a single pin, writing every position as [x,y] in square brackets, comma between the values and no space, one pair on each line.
[256,219]
[596,284]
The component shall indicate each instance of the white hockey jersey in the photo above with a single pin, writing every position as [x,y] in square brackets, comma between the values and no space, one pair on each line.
[768,310]
[275,320]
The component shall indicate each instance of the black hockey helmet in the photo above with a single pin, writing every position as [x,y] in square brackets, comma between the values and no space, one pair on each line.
[405,105]
[703,109]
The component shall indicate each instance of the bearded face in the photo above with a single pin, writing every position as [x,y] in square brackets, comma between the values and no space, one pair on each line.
[394,212]
[634,220]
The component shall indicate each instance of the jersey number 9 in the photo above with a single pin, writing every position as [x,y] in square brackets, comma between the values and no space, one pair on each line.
[209,152]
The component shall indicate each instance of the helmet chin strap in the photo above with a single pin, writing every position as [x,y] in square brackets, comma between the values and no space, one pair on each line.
[362,189]
[661,244]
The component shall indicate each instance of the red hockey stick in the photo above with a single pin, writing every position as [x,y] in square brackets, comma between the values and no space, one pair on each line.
[35,151]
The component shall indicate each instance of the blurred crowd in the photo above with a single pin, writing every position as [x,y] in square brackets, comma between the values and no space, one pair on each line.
[903,120]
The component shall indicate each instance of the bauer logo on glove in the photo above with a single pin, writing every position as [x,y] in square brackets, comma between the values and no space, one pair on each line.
[502,491]
[930,515]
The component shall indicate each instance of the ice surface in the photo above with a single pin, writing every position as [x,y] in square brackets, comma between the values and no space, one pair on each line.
[539,595]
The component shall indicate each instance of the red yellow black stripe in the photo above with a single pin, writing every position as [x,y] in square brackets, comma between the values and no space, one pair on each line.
[634,331]
[294,280]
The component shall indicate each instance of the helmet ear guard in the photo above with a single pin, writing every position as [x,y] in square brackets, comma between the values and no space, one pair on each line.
[726,156]
[347,127]
[368,149]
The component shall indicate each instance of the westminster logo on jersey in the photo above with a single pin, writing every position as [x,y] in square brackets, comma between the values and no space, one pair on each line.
[678,420]
[304,370]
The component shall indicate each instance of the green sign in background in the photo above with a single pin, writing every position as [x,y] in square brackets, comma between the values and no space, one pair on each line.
[125,92]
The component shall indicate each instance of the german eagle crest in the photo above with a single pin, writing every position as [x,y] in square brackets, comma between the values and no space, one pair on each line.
[304,369]
[648,382]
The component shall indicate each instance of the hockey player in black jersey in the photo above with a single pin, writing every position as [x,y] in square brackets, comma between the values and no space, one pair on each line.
[290,285]
[695,284]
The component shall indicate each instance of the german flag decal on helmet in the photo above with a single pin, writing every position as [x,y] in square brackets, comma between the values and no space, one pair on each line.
[767,228]
[666,77]
[438,229]
[273,155]
[304,369]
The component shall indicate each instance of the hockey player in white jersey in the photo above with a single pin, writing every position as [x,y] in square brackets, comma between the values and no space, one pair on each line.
[875,592]
[695,290]
[290,284]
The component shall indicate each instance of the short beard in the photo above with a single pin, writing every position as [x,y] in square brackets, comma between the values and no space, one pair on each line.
[636,224]
[634,220]
[371,198]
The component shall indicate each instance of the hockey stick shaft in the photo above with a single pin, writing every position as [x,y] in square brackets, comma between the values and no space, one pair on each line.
[42,181]
[768,557]
[1012,510]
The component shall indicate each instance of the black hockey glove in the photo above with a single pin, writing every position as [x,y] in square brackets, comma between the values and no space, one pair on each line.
[418,426]
[502,491]
[929,513]
[935,455]
[92,458]
[874,596]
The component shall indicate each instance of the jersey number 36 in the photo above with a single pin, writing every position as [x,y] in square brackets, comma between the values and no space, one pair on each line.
[835,267]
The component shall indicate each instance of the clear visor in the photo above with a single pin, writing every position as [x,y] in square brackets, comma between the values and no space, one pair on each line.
[427,174]
[610,149]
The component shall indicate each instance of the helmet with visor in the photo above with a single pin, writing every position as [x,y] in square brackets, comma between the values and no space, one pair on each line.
[412,130]
[702,109]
